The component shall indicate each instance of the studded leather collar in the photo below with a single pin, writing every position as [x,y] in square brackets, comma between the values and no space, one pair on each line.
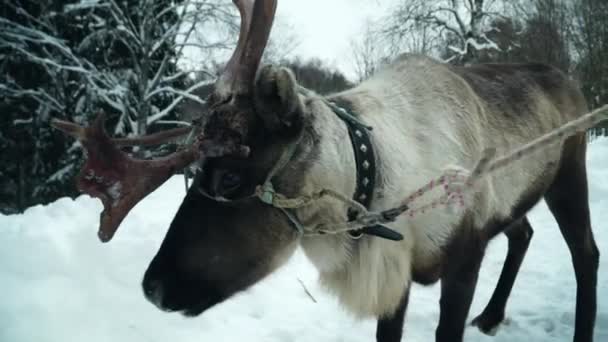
[365,160]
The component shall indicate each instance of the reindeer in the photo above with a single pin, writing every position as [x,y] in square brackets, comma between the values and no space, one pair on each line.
[262,138]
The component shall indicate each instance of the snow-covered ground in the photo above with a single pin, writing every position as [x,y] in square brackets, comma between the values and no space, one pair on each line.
[59,283]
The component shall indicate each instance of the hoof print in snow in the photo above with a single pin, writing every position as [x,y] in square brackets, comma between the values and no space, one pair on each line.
[544,323]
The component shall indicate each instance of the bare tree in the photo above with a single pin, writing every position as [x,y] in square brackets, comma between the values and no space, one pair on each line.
[591,45]
[590,39]
[282,42]
[369,52]
[462,25]
[540,33]
[546,37]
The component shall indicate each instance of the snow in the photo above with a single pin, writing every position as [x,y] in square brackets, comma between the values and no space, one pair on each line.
[82,5]
[59,283]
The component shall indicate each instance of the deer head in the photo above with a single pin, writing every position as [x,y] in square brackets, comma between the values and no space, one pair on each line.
[221,240]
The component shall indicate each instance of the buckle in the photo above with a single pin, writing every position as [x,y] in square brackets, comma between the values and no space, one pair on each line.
[355,234]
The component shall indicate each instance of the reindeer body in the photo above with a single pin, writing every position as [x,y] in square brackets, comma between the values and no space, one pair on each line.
[427,116]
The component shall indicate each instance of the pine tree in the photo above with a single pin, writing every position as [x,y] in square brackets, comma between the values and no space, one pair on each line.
[71,59]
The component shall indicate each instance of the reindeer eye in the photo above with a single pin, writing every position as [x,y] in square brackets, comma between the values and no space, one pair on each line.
[230,181]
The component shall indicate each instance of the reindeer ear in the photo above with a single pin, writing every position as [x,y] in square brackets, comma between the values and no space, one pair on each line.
[276,99]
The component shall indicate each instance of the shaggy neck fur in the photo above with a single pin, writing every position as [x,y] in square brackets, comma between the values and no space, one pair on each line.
[367,275]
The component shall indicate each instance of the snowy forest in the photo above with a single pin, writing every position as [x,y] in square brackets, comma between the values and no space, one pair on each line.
[147,63]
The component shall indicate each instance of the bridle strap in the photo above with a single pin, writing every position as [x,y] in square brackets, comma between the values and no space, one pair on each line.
[267,192]
[366,175]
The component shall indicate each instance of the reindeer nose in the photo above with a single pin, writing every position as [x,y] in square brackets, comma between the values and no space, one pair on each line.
[153,289]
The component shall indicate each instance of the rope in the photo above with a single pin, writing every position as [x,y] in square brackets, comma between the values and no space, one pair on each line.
[457,183]
[187,142]
[281,201]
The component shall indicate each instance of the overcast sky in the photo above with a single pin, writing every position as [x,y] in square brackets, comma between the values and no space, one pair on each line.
[325,27]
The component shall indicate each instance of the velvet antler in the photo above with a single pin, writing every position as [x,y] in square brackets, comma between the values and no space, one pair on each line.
[256,21]
[119,180]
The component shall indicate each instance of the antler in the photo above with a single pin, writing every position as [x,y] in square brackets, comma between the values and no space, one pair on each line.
[119,180]
[256,21]
[226,81]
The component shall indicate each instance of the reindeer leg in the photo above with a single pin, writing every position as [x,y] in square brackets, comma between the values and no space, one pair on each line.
[568,200]
[390,329]
[463,260]
[519,235]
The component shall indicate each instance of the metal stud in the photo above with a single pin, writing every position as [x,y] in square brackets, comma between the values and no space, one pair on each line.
[365,165]
[365,181]
[358,133]
[363,148]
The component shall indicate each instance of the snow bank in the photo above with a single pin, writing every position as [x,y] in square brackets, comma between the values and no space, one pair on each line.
[60,284]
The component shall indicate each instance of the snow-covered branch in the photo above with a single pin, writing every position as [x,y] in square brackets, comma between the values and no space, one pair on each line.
[173,122]
[75,58]
[178,75]
[41,96]
[177,100]
[125,20]
[463,26]
[116,24]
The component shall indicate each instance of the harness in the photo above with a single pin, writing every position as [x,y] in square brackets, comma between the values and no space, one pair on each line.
[358,205]
[365,161]
[457,183]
